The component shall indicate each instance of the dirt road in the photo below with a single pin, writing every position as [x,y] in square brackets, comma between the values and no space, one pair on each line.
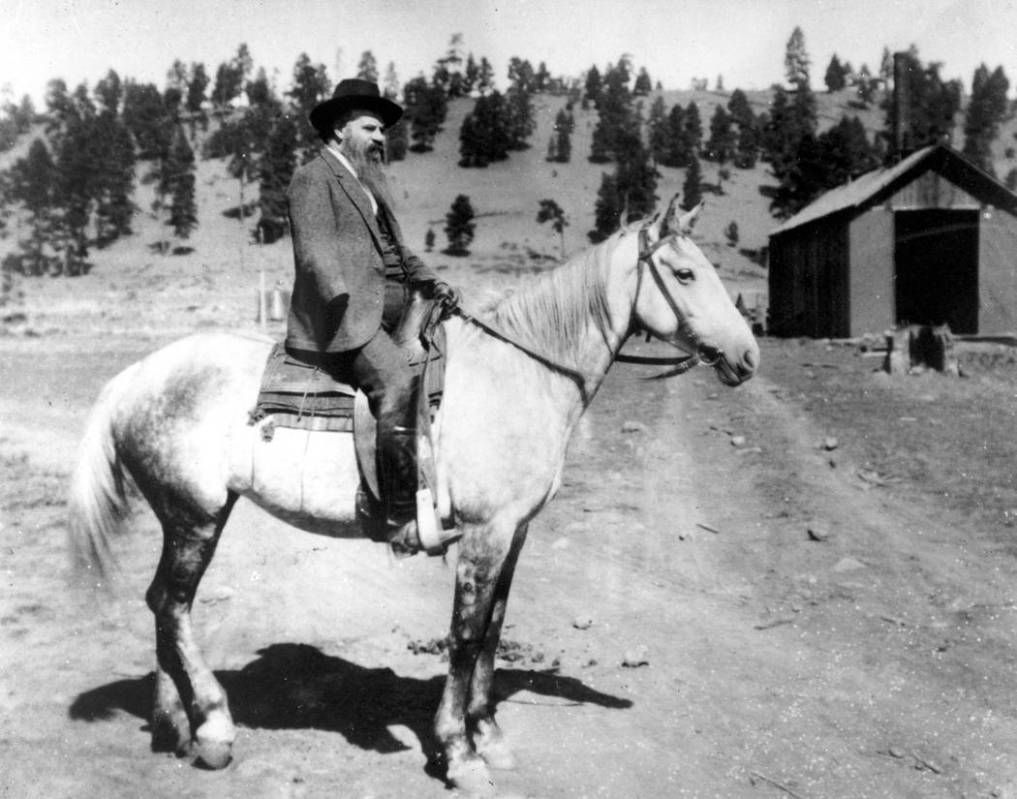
[674,629]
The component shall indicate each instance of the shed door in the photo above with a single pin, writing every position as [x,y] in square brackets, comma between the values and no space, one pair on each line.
[936,260]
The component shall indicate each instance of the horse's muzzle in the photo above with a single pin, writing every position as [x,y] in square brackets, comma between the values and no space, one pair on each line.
[730,371]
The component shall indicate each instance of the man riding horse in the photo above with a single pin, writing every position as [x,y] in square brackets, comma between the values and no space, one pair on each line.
[354,278]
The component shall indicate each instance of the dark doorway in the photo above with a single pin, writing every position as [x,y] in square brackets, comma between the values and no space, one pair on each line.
[936,255]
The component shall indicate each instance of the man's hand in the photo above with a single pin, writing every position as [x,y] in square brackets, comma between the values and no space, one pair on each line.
[445,294]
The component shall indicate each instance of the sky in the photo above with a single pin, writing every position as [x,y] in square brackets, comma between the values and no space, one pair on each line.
[675,40]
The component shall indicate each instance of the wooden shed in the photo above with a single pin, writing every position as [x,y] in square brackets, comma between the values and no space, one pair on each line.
[931,240]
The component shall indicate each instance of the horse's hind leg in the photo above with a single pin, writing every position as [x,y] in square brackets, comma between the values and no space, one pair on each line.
[488,739]
[190,704]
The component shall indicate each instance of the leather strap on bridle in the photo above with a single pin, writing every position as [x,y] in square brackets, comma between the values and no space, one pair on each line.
[682,363]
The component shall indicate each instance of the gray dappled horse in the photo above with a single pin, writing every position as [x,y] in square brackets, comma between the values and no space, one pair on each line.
[176,424]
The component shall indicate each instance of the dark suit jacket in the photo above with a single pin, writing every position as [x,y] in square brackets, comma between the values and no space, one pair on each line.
[337,250]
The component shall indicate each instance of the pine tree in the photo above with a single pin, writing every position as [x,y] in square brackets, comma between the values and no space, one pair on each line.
[519,116]
[177,181]
[471,74]
[692,132]
[747,149]
[796,60]
[194,103]
[34,182]
[563,126]
[987,108]
[521,75]
[114,184]
[484,135]
[659,130]
[259,90]
[78,154]
[426,106]
[310,86]
[367,68]
[551,212]
[865,86]
[933,105]
[459,226]
[673,151]
[886,67]
[720,146]
[607,210]
[740,110]
[485,77]
[834,77]
[197,83]
[396,141]
[275,170]
[616,113]
[109,93]
[593,87]
[845,152]
[541,79]
[600,152]
[230,79]
[643,85]
[146,118]
[731,233]
[58,105]
[692,188]
[448,72]
[635,177]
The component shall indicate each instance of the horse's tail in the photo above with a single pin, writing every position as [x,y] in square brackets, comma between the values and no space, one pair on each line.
[99,501]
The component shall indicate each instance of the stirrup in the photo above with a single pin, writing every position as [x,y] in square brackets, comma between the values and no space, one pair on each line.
[425,533]
[429,528]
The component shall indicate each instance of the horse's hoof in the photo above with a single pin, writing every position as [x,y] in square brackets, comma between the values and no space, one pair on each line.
[171,733]
[213,744]
[498,756]
[471,778]
[496,753]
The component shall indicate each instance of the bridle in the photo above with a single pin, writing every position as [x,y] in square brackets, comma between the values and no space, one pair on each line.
[679,364]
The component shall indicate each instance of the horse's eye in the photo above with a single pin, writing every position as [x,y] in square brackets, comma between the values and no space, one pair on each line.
[684,275]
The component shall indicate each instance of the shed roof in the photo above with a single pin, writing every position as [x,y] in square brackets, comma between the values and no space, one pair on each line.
[863,189]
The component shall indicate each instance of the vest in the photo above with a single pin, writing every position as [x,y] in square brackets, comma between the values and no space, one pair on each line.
[391,255]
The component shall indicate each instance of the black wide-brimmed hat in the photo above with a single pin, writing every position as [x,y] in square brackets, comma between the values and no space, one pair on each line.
[354,93]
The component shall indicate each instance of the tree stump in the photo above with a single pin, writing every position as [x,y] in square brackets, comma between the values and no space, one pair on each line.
[920,347]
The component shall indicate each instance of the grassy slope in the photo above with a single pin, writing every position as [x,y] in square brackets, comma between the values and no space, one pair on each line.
[505,197]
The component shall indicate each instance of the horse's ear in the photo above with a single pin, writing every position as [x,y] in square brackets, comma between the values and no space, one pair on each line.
[678,221]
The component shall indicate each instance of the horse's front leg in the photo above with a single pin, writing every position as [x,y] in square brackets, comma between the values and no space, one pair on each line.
[488,739]
[482,554]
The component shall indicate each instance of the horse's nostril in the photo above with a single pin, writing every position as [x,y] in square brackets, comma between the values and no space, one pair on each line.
[751,360]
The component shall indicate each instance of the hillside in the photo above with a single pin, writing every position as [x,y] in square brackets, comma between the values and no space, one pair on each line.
[505,196]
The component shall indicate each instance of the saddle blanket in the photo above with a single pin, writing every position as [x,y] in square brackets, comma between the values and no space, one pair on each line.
[305,396]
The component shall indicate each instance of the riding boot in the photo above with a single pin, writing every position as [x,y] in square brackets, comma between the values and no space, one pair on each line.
[399,475]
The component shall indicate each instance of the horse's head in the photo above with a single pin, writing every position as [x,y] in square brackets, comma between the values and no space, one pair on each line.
[681,299]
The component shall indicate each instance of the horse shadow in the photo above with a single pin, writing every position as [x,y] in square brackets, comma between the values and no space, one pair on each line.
[297,686]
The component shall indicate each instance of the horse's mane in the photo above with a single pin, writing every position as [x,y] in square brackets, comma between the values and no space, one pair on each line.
[553,313]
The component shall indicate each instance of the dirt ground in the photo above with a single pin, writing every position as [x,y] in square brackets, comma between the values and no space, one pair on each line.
[804,587]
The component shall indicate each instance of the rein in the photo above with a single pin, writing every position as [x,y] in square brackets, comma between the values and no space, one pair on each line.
[577,376]
[680,364]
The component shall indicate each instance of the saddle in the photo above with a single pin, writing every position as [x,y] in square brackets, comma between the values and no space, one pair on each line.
[302,395]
